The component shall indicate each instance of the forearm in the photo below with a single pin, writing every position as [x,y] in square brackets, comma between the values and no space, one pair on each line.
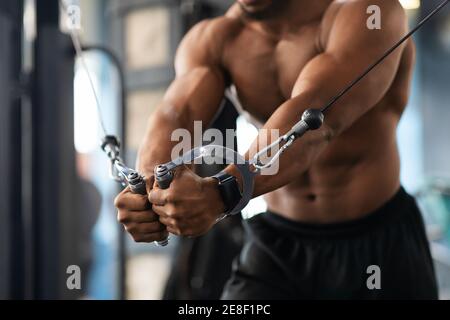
[194,96]
[157,145]
[297,159]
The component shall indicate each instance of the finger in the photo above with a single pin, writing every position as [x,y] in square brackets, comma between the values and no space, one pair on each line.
[185,227]
[126,216]
[169,222]
[174,231]
[157,197]
[135,228]
[150,227]
[179,223]
[162,211]
[151,237]
[131,201]
[144,216]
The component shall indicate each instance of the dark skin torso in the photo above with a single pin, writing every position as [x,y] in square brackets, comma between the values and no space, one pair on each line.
[339,184]
[297,59]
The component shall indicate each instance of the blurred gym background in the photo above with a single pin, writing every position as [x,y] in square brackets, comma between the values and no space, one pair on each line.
[56,198]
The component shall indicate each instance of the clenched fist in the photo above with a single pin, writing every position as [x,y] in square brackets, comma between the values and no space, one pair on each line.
[190,206]
[138,218]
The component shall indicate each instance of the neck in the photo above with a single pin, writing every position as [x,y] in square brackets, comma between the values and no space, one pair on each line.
[287,15]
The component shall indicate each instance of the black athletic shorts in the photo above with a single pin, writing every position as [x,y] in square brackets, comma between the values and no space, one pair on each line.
[384,255]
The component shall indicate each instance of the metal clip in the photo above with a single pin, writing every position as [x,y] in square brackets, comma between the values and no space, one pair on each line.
[123,174]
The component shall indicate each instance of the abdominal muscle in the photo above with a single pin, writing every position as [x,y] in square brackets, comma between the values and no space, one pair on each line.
[349,180]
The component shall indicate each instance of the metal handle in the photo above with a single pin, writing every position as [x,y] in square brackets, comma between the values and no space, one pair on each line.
[137,186]
[164,173]
[163,176]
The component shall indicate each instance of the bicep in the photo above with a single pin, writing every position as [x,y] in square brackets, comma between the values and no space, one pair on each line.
[196,94]
[350,50]
[199,84]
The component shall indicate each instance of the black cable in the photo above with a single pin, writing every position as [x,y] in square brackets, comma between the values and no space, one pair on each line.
[384,56]
[121,74]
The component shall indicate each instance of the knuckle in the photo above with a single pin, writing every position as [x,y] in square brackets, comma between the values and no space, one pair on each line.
[171,196]
[176,224]
[132,229]
[173,213]
[118,202]
[137,238]
[171,223]
[151,196]
[123,216]
[176,212]
[174,230]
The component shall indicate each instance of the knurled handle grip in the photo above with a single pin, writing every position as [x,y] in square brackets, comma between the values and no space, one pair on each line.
[163,177]
[138,186]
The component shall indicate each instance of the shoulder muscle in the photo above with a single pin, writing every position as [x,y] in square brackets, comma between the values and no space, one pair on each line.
[348,18]
[203,44]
